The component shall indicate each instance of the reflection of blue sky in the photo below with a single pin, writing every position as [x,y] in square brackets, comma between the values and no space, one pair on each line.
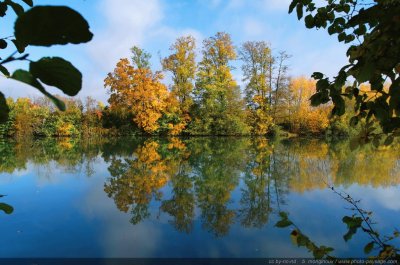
[69,215]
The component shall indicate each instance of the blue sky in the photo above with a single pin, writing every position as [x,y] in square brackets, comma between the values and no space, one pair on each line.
[155,24]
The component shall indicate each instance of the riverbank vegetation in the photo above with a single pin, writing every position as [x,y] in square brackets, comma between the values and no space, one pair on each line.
[202,98]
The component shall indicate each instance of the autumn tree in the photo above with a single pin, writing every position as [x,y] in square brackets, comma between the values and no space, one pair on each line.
[304,117]
[257,60]
[280,85]
[218,105]
[182,65]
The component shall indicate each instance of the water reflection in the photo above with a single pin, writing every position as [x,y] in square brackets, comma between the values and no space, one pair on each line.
[207,175]
[220,184]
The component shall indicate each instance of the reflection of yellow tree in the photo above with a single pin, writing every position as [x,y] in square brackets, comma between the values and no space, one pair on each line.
[366,166]
[135,181]
[314,167]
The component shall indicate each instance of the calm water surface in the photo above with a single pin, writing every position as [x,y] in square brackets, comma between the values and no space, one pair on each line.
[203,197]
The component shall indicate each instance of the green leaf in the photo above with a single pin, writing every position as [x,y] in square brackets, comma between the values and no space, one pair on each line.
[283,223]
[55,71]
[49,25]
[6,208]
[4,109]
[27,78]
[4,71]
[368,248]
[352,221]
[28,2]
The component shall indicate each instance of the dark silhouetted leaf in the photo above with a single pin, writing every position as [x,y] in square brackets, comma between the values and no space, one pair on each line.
[342,36]
[18,9]
[283,223]
[368,248]
[389,140]
[3,44]
[317,75]
[4,109]
[309,20]
[354,121]
[299,10]
[20,47]
[27,78]
[4,71]
[28,2]
[49,25]
[57,72]
[3,9]
[6,208]
[292,6]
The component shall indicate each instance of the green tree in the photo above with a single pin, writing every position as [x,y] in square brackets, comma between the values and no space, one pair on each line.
[140,58]
[62,25]
[219,109]
[372,28]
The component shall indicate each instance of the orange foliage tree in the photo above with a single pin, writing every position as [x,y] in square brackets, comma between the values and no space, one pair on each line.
[137,90]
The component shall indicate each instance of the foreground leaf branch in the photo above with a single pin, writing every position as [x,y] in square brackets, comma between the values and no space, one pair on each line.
[43,26]
[360,220]
[372,29]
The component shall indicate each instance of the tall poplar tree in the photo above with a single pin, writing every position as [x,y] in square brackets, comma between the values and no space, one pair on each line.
[257,72]
[219,109]
[182,65]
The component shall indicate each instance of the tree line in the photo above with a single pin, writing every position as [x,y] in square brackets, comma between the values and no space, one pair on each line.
[203,98]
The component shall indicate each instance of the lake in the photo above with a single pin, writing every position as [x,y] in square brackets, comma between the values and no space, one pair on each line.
[195,197]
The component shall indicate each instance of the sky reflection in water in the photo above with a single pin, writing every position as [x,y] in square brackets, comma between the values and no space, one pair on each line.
[204,197]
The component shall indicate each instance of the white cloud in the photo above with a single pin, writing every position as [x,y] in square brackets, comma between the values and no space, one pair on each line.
[127,23]
[253,28]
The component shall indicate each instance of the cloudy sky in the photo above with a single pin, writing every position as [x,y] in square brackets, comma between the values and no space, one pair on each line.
[155,24]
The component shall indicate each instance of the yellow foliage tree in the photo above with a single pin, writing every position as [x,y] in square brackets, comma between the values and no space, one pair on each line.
[302,116]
